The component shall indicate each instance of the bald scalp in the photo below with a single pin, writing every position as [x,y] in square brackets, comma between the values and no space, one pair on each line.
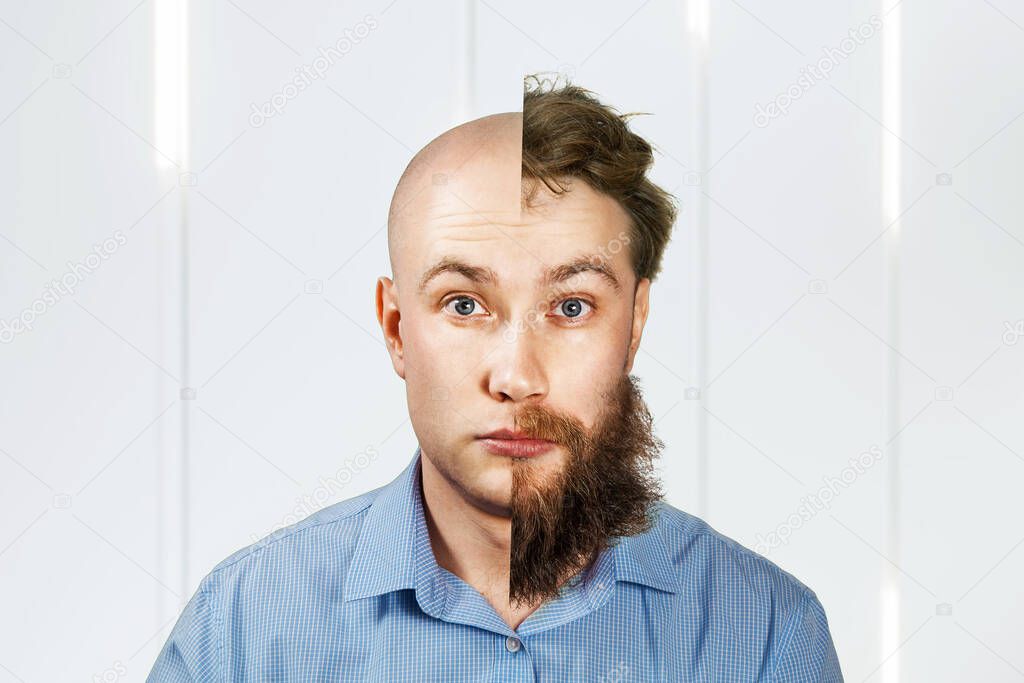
[475,167]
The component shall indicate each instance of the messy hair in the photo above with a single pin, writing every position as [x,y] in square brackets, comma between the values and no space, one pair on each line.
[569,134]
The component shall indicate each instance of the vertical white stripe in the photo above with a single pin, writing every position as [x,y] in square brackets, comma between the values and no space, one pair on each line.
[186,301]
[170,81]
[171,137]
[699,30]
[891,199]
[467,72]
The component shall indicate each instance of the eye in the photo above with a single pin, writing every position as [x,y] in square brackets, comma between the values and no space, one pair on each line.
[574,308]
[464,305]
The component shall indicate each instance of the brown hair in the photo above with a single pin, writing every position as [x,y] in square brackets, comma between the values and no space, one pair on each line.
[569,133]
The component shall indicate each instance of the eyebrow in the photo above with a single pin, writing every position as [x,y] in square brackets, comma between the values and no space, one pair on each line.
[552,276]
[581,264]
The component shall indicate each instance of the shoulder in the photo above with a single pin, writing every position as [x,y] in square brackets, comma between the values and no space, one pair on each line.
[323,541]
[261,588]
[702,553]
[761,612]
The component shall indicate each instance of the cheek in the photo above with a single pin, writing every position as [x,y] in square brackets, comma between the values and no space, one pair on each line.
[439,363]
[581,373]
[595,348]
[441,351]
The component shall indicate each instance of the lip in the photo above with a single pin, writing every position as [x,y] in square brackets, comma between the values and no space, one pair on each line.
[514,444]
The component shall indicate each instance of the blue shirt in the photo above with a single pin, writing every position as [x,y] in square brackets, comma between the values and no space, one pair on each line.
[353,593]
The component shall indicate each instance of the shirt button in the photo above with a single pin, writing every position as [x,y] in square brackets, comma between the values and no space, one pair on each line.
[512,644]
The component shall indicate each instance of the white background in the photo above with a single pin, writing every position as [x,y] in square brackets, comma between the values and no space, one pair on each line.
[848,276]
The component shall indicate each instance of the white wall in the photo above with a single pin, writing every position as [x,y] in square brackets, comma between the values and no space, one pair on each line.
[842,278]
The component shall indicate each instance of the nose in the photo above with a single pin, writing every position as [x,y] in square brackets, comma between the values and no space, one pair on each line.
[515,371]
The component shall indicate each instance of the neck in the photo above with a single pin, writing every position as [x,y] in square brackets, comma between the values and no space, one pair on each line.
[471,543]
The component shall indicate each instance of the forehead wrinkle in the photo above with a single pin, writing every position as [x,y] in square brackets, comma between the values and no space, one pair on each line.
[501,224]
[550,276]
[466,219]
[458,234]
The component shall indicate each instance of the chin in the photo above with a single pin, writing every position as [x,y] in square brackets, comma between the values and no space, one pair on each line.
[488,482]
[495,502]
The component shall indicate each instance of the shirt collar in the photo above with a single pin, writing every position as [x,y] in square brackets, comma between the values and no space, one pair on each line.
[644,558]
[394,552]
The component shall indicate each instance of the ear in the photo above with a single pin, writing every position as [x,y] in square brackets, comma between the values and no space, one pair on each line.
[640,307]
[389,317]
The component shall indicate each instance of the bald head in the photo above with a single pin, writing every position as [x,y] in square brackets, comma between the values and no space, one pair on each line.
[471,172]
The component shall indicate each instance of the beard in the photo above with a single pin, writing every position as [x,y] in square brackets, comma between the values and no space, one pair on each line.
[605,489]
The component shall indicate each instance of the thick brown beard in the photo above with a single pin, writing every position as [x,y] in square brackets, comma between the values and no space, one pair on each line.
[605,489]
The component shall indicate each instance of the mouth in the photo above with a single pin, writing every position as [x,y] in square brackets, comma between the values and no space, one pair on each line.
[514,444]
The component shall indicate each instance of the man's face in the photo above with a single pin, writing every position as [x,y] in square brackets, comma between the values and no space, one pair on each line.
[502,308]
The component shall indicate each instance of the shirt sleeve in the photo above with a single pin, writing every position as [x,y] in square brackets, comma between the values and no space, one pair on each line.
[807,653]
[192,651]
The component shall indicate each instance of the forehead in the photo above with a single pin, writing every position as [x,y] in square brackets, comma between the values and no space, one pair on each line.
[521,244]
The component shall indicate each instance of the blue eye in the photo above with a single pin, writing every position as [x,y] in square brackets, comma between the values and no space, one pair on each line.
[464,305]
[573,308]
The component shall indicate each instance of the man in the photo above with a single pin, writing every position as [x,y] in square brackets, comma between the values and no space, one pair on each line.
[527,539]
